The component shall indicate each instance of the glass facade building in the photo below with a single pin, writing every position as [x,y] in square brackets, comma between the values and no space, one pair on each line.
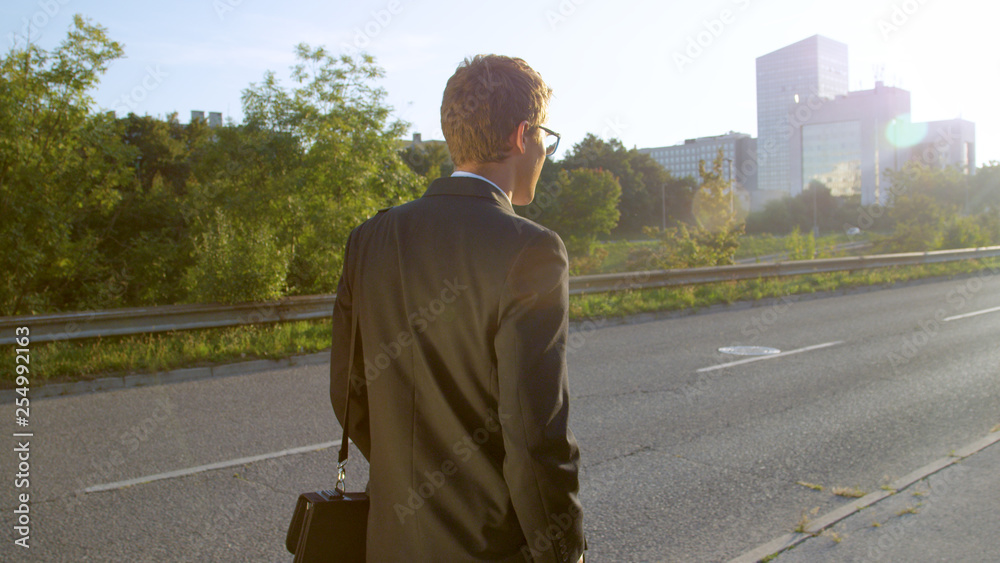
[807,72]
[831,155]
[848,143]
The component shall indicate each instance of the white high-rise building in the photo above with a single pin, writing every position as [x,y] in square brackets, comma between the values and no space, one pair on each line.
[803,73]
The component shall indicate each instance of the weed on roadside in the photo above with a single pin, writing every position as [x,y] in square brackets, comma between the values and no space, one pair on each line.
[854,492]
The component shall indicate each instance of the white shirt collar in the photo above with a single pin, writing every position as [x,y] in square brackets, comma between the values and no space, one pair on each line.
[464,174]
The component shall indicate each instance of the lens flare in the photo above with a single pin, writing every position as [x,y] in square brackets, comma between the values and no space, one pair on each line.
[901,132]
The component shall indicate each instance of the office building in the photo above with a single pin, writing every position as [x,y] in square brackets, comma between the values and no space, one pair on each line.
[809,71]
[682,160]
[214,117]
[946,143]
[848,143]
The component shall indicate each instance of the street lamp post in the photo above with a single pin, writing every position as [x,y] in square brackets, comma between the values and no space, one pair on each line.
[732,196]
[663,193]
[815,190]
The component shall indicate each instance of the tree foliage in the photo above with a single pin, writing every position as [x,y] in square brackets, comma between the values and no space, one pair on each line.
[429,160]
[58,170]
[579,205]
[815,203]
[108,212]
[934,209]
[322,158]
[713,238]
[642,181]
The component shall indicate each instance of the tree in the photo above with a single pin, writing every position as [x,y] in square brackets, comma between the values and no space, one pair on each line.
[60,166]
[312,162]
[641,180]
[919,222]
[430,160]
[713,206]
[984,188]
[788,214]
[946,186]
[147,242]
[581,204]
[936,209]
[237,262]
[664,194]
[713,238]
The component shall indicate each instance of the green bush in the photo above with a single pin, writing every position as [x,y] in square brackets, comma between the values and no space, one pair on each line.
[800,247]
[237,263]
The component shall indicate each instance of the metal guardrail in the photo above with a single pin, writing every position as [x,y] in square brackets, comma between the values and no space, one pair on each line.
[139,320]
[852,246]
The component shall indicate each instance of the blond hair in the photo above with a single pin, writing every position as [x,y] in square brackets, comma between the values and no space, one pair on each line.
[484,102]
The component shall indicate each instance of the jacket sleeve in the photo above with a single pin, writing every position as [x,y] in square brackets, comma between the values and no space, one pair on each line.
[542,459]
[345,379]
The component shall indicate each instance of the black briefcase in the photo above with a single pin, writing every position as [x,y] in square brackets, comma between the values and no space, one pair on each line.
[329,526]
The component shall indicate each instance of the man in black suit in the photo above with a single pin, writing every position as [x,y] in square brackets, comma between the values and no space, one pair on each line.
[458,393]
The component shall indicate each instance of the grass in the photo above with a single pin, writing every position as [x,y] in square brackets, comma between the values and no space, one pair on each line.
[618,252]
[848,492]
[804,520]
[54,362]
[837,538]
[753,246]
[632,302]
[812,486]
[89,359]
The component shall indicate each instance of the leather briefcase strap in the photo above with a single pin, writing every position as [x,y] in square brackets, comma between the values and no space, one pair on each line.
[344,444]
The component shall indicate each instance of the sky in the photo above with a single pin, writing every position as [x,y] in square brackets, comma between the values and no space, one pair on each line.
[647,73]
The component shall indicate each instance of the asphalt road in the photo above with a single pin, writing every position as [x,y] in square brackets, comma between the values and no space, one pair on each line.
[683,460]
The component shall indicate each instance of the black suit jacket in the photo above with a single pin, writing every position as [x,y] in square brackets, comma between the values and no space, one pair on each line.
[459,393]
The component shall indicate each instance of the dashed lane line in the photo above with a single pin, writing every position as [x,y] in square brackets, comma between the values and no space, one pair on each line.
[208,467]
[972,314]
[770,356]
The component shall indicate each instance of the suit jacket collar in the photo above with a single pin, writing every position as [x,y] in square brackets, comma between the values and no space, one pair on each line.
[468,187]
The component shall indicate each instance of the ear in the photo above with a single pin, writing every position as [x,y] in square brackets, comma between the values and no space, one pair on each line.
[516,141]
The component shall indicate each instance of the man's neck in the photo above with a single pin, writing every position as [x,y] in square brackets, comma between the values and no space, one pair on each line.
[496,172]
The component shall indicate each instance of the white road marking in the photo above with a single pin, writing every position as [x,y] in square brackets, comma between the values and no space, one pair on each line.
[208,467]
[972,314]
[770,357]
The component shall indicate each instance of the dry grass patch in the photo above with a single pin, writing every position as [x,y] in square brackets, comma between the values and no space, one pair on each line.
[848,492]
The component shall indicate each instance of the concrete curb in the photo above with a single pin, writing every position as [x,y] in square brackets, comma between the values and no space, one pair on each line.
[788,541]
[159,378]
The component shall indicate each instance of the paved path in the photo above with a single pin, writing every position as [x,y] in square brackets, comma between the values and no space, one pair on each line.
[689,454]
[949,514]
